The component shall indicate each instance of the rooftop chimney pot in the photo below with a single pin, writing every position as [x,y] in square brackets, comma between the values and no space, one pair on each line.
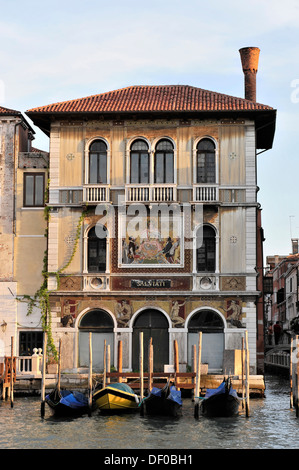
[249,60]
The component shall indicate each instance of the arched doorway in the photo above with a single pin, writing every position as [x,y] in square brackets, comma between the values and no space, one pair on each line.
[100,324]
[211,325]
[154,325]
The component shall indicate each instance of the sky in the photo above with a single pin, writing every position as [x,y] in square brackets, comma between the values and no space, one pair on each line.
[63,50]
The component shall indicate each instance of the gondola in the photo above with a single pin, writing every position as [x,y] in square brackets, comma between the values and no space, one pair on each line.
[67,403]
[166,401]
[222,401]
[116,397]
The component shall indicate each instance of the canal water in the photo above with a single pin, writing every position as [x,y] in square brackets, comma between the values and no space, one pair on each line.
[272,425]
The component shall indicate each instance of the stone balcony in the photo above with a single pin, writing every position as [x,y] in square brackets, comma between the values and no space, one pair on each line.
[151,193]
[94,193]
[205,193]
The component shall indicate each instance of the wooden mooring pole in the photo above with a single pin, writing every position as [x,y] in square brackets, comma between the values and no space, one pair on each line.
[120,359]
[291,374]
[247,407]
[197,390]
[150,364]
[105,364]
[43,383]
[193,366]
[176,362]
[59,367]
[108,362]
[90,376]
[243,373]
[141,364]
[11,373]
[297,378]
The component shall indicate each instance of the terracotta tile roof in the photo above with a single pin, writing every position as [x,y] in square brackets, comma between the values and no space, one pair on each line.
[153,99]
[7,111]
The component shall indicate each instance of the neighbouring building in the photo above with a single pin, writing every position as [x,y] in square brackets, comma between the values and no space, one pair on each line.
[282,297]
[154,222]
[23,178]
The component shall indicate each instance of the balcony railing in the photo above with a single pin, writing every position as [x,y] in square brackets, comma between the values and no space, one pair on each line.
[30,365]
[96,193]
[205,193]
[151,193]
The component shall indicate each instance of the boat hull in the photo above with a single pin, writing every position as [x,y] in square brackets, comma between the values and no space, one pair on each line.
[67,403]
[222,401]
[220,406]
[164,402]
[110,399]
[163,407]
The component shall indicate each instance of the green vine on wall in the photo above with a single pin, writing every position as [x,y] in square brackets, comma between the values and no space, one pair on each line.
[77,237]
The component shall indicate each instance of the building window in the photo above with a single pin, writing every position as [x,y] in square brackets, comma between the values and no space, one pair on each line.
[164,166]
[28,340]
[98,162]
[97,250]
[139,162]
[70,196]
[206,251]
[280,296]
[100,324]
[206,172]
[34,189]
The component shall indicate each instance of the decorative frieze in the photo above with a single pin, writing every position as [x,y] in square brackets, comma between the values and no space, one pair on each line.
[233,283]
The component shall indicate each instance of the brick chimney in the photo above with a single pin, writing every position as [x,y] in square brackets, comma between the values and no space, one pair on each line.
[295,246]
[250,59]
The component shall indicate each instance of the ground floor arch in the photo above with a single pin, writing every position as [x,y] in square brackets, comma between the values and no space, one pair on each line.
[211,324]
[101,325]
[154,324]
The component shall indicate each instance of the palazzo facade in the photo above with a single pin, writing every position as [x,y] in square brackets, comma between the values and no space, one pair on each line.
[154,223]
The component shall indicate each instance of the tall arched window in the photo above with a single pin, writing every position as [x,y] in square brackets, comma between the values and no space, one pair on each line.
[164,164]
[212,327]
[98,162]
[205,165]
[206,251]
[100,324]
[97,250]
[139,162]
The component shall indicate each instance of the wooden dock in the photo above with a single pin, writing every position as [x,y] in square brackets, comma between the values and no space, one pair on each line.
[186,381]
[192,384]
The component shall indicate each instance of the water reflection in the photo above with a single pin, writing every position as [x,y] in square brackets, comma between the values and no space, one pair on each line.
[271,425]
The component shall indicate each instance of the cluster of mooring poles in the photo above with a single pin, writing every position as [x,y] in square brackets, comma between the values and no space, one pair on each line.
[10,372]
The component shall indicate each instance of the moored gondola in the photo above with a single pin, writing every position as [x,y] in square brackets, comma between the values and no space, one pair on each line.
[166,401]
[67,403]
[116,397]
[222,401]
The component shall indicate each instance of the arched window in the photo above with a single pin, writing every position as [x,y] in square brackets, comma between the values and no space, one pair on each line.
[206,321]
[164,164]
[205,165]
[98,162]
[212,326]
[139,162]
[97,250]
[100,324]
[206,250]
